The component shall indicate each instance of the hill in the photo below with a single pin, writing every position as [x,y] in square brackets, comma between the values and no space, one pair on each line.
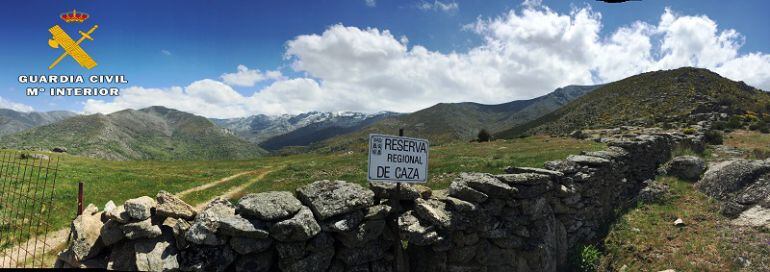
[310,126]
[12,121]
[448,122]
[647,99]
[154,133]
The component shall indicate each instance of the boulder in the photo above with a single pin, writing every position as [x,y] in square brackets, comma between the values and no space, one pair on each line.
[206,258]
[59,149]
[111,232]
[686,167]
[171,206]
[118,214]
[243,245]
[653,192]
[269,206]
[203,232]
[141,229]
[487,184]
[256,262]
[140,208]
[236,225]
[724,179]
[216,210]
[157,254]
[301,227]
[329,198]
[85,231]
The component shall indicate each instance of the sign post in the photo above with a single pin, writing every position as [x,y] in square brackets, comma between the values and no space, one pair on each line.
[395,160]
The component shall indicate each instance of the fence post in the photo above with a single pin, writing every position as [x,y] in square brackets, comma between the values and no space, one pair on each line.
[397,210]
[80,198]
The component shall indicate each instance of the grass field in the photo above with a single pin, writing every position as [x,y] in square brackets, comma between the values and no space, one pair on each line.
[122,180]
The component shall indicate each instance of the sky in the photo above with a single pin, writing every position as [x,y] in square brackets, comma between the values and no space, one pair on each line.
[225,59]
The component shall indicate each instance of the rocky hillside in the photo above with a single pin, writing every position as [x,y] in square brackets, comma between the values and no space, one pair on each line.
[154,133]
[12,121]
[448,122]
[302,128]
[649,98]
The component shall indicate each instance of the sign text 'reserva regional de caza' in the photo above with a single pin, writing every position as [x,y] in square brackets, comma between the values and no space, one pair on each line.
[398,159]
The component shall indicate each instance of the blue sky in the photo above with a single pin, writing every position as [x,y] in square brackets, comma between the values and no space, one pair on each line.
[165,47]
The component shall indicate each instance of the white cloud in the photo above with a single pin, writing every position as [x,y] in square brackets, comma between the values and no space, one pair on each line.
[370,3]
[248,78]
[8,104]
[524,53]
[439,6]
[165,52]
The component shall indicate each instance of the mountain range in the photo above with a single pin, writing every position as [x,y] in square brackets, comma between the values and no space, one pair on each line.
[14,121]
[154,133]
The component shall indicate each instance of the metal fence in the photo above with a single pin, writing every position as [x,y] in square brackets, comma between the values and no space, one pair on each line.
[27,183]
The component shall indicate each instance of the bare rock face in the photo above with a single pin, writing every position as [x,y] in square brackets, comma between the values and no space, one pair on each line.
[722,180]
[329,198]
[686,167]
[171,206]
[269,206]
[301,227]
[140,208]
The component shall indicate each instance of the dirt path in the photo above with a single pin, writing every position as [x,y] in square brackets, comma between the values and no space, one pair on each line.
[237,189]
[11,257]
[56,239]
[212,184]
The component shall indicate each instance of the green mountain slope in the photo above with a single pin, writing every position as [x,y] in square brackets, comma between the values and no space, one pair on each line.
[446,122]
[154,133]
[647,99]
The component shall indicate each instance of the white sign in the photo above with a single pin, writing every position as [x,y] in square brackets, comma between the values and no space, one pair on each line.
[398,159]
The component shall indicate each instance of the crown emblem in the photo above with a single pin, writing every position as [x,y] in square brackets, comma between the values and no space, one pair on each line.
[74,16]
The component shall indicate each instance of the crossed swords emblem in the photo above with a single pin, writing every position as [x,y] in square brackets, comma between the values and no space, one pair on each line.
[71,47]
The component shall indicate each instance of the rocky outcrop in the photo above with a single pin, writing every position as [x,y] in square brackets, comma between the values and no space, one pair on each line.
[743,186]
[685,167]
[527,219]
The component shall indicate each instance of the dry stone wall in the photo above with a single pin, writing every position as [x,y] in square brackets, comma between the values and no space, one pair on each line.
[527,219]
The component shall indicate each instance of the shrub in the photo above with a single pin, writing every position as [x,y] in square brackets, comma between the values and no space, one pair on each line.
[688,131]
[734,122]
[589,258]
[713,137]
[484,136]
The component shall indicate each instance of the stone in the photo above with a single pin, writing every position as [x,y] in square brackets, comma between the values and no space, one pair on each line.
[343,223]
[487,184]
[203,232]
[59,149]
[589,161]
[433,211]
[141,229]
[415,230]
[679,222]
[356,256]
[364,233]
[314,262]
[291,250]
[329,198]
[180,229]
[243,245]
[724,179]
[118,214]
[462,191]
[269,206]
[523,170]
[529,185]
[140,208]
[387,190]
[460,205]
[171,206]
[158,254]
[756,216]
[377,212]
[111,232]
[301,227]
[217,209]
[236,225]
[85,231]
[206,258]
[122,257]
[652,193]
[257,262]
[109,206]
[686,167]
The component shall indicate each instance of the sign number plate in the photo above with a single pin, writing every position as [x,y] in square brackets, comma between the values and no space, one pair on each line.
[398,159]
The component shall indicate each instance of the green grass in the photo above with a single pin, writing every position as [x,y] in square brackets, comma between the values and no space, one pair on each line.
[122,180]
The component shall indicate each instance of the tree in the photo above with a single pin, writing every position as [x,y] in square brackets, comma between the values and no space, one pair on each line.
[484,136]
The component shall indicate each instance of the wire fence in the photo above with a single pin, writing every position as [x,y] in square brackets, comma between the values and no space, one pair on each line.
[27,183]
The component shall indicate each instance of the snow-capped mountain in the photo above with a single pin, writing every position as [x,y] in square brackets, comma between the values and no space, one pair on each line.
[260,128]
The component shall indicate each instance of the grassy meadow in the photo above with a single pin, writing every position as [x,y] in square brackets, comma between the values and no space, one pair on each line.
[122,180]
